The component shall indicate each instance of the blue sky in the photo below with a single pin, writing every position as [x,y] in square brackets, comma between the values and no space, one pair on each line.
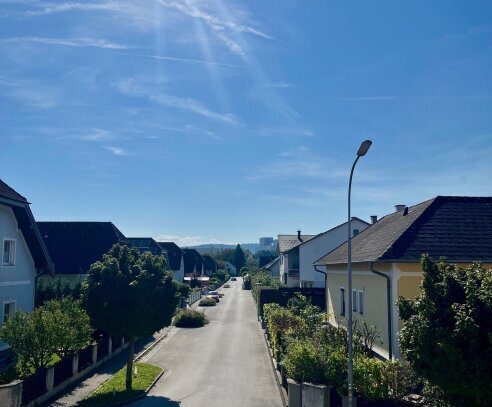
[222,121]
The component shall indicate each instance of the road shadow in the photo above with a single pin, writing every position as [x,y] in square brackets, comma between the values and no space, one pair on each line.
[155,401]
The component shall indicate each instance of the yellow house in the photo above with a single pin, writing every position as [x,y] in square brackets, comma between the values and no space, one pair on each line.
[386,259]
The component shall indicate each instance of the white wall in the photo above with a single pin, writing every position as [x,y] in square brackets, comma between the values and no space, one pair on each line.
[316,248]
[16,282]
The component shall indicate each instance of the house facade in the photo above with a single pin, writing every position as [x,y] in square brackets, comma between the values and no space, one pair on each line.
[24,257]
[193,263]
[273,267]
[209,265]
[74,246]
[288,253]
[386,260]
[297,253]
[174,258]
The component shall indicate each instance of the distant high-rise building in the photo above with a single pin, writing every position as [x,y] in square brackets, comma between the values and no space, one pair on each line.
[267,244]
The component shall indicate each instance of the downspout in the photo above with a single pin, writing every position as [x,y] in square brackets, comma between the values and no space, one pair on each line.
[388,306]
[326,286]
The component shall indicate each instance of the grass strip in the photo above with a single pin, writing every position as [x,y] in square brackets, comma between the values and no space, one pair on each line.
[113,391]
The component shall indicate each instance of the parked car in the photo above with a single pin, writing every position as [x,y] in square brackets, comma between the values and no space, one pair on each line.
[233,278]
[214,295]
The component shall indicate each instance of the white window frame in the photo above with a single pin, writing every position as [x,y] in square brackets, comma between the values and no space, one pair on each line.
[354,300]
[343,308]
[361,302]
[13,253]
[3,308]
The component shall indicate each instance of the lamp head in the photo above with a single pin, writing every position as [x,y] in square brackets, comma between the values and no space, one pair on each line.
[364,148]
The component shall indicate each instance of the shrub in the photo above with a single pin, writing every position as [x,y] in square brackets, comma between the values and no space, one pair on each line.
[304,362]
[369,379]
[446,333]
[207,302]
[227,286]
[281,321]
[189,318]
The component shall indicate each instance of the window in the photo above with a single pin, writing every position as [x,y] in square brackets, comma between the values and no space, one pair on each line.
[8,258]
[361,302]
[8,310]
[355,232]
[342,301]
[354,300]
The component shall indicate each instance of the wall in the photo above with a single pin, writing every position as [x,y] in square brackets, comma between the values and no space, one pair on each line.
[16,282]
[317,247]
[374,288]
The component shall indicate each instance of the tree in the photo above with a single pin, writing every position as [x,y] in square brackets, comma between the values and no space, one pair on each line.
[59,327]
[239,257]
[130,294]
[446,334]
[73,326]
[31,337]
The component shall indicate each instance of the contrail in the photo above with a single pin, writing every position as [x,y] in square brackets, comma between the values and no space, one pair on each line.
[195,61]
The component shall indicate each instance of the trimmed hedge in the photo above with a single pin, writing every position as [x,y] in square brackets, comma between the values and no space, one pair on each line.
[207,302]
[190,318]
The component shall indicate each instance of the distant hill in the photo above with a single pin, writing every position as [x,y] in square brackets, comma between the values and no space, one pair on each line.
[215,247]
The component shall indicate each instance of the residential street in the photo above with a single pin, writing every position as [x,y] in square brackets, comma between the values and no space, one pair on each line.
[223,364]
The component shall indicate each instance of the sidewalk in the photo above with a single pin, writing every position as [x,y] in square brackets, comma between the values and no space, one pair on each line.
[83,389]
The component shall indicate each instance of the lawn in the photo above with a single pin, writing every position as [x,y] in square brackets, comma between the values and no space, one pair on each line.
[113,391]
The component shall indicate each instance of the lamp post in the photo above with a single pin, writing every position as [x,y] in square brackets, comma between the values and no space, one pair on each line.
[364,147]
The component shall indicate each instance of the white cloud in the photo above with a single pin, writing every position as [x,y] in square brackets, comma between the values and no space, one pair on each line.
[72,42]
[116,150]
[177,59]
[53,8]
[30,93]
[131,87]
[96,135]
[184,241]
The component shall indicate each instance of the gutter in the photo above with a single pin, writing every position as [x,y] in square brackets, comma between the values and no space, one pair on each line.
[388,306]
[326,285]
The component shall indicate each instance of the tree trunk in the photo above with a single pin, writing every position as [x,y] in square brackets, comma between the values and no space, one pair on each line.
[129,364]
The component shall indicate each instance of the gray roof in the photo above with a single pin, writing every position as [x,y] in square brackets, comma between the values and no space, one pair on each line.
[269,265]
[288,242]
[457,228]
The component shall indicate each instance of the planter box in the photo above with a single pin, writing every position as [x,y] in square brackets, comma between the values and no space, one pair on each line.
[315,395]
[294,391]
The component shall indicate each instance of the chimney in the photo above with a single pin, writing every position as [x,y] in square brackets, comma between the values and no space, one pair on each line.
[399,208]
[374,219]
[299,235]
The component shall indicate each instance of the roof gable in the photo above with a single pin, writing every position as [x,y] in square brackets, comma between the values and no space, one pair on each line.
[74,246]
[288,242]
[458,228]
[145,244]
[9,193]
[174,254]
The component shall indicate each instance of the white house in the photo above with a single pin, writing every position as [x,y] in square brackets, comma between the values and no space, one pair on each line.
[23,258]
[273,267]
[174,259]
[300,252]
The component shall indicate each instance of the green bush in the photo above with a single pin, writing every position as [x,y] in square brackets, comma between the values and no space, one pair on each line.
[9,375]
[304,362]
[189,318]
[227,286]
[369,380]
[207,302]
[280,322]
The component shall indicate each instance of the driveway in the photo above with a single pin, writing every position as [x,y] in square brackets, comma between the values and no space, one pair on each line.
[224,364]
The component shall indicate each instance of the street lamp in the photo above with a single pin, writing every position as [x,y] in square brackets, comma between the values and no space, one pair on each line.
[364,147]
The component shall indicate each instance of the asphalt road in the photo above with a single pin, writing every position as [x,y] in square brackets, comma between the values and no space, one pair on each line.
[224,364]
